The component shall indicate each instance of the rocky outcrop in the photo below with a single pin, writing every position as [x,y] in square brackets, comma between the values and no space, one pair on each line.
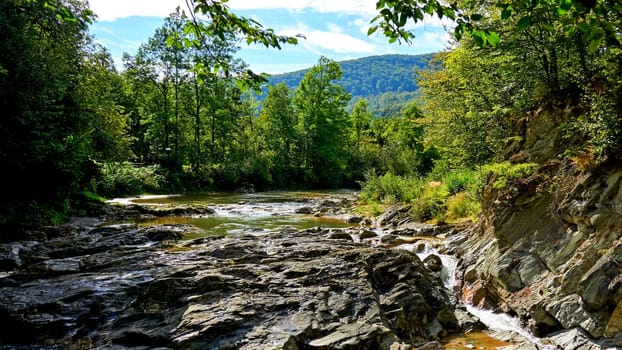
[549,249]
[127,286]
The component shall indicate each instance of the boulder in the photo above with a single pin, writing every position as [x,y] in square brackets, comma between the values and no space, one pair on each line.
[433,263]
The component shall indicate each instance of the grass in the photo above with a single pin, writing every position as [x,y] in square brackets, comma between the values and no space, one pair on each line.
[444,195]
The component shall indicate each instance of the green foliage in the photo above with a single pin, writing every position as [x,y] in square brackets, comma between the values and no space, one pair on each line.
[322,124]
[444,195]
[504,173]
[370,77]
[124,178]
[279,122]
[44,129]
[390,188]
[465,106]
[462,180]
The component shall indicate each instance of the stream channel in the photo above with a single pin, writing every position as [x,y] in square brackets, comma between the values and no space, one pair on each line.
[268,212]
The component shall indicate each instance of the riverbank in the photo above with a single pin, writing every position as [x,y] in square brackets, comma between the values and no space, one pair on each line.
[88,284]
[136,277]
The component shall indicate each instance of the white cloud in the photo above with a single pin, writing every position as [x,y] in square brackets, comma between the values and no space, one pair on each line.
[110,10]
[361,24]
[366,7]
[334,28]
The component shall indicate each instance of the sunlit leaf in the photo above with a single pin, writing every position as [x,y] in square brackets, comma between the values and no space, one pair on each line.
[493,38]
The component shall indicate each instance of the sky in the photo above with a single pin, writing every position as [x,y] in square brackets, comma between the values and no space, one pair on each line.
[336,29]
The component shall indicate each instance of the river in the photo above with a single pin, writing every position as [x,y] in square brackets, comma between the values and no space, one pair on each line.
[268,212]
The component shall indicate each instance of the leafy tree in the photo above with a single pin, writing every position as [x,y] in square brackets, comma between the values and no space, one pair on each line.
[44,130]
[101,89]
[279,123]
[323,122]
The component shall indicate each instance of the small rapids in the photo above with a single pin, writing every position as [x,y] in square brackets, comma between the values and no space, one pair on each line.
[493,320]
[234,214]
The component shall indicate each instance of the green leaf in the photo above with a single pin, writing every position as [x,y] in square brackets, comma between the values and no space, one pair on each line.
[524,23]
[493,38]
[170,41]
[506,13]
[476,17]
[596,39]
[564,7]
[372,30]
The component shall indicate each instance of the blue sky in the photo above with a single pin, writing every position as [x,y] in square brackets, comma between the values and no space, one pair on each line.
[336,29]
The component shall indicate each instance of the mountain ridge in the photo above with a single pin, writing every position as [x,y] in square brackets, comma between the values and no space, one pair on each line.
[388,81]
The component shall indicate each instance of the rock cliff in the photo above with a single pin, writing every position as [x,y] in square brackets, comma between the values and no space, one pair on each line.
[549,246]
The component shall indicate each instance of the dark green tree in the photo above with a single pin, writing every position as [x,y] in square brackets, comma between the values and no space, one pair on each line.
[279,123]
[323,123]
[44,129]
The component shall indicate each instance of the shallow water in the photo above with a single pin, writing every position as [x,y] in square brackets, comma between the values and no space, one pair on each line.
[472,340]
[256,213]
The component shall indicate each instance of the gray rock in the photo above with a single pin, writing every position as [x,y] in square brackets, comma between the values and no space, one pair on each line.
[354,219]
[574,339]
[368,234]
[284,290]
[433,263]
[304,210]
[340,235]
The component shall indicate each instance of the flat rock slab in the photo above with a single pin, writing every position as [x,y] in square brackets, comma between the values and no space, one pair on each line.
[289,291]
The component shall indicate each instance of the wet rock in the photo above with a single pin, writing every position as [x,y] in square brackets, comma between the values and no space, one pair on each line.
[304,210]
[467,321]
[433,263]
[354,219]
[340,235]
[574,339]
[393,215]
[367,222]
[522,346]
[366,234]
[283,290]
[551,256]
[433,345]
[166,232]
[389,238]
[420,247]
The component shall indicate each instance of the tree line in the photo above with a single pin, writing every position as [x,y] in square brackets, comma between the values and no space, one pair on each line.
[182,109]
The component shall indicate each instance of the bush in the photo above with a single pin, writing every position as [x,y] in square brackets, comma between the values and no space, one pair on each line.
[463,205]
[390,188]
[123,178]
[462,180]
[506,172]
[443,195]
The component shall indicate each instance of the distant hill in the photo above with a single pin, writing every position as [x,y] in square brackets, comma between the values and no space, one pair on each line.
[388,78]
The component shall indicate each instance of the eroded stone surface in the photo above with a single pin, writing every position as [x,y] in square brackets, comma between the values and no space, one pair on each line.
[126,286]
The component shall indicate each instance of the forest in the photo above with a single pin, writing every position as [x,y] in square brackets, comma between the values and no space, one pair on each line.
[182,114]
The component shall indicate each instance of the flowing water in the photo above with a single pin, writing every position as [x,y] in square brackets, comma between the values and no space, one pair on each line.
[274,211]
[493,320]
[252,213]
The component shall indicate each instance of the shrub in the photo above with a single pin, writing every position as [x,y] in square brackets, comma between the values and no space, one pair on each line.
[462,180]
[123,178]
[506,172]
[390,188]
[463,205]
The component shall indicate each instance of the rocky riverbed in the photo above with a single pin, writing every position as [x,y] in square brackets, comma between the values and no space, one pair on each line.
[92,285]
